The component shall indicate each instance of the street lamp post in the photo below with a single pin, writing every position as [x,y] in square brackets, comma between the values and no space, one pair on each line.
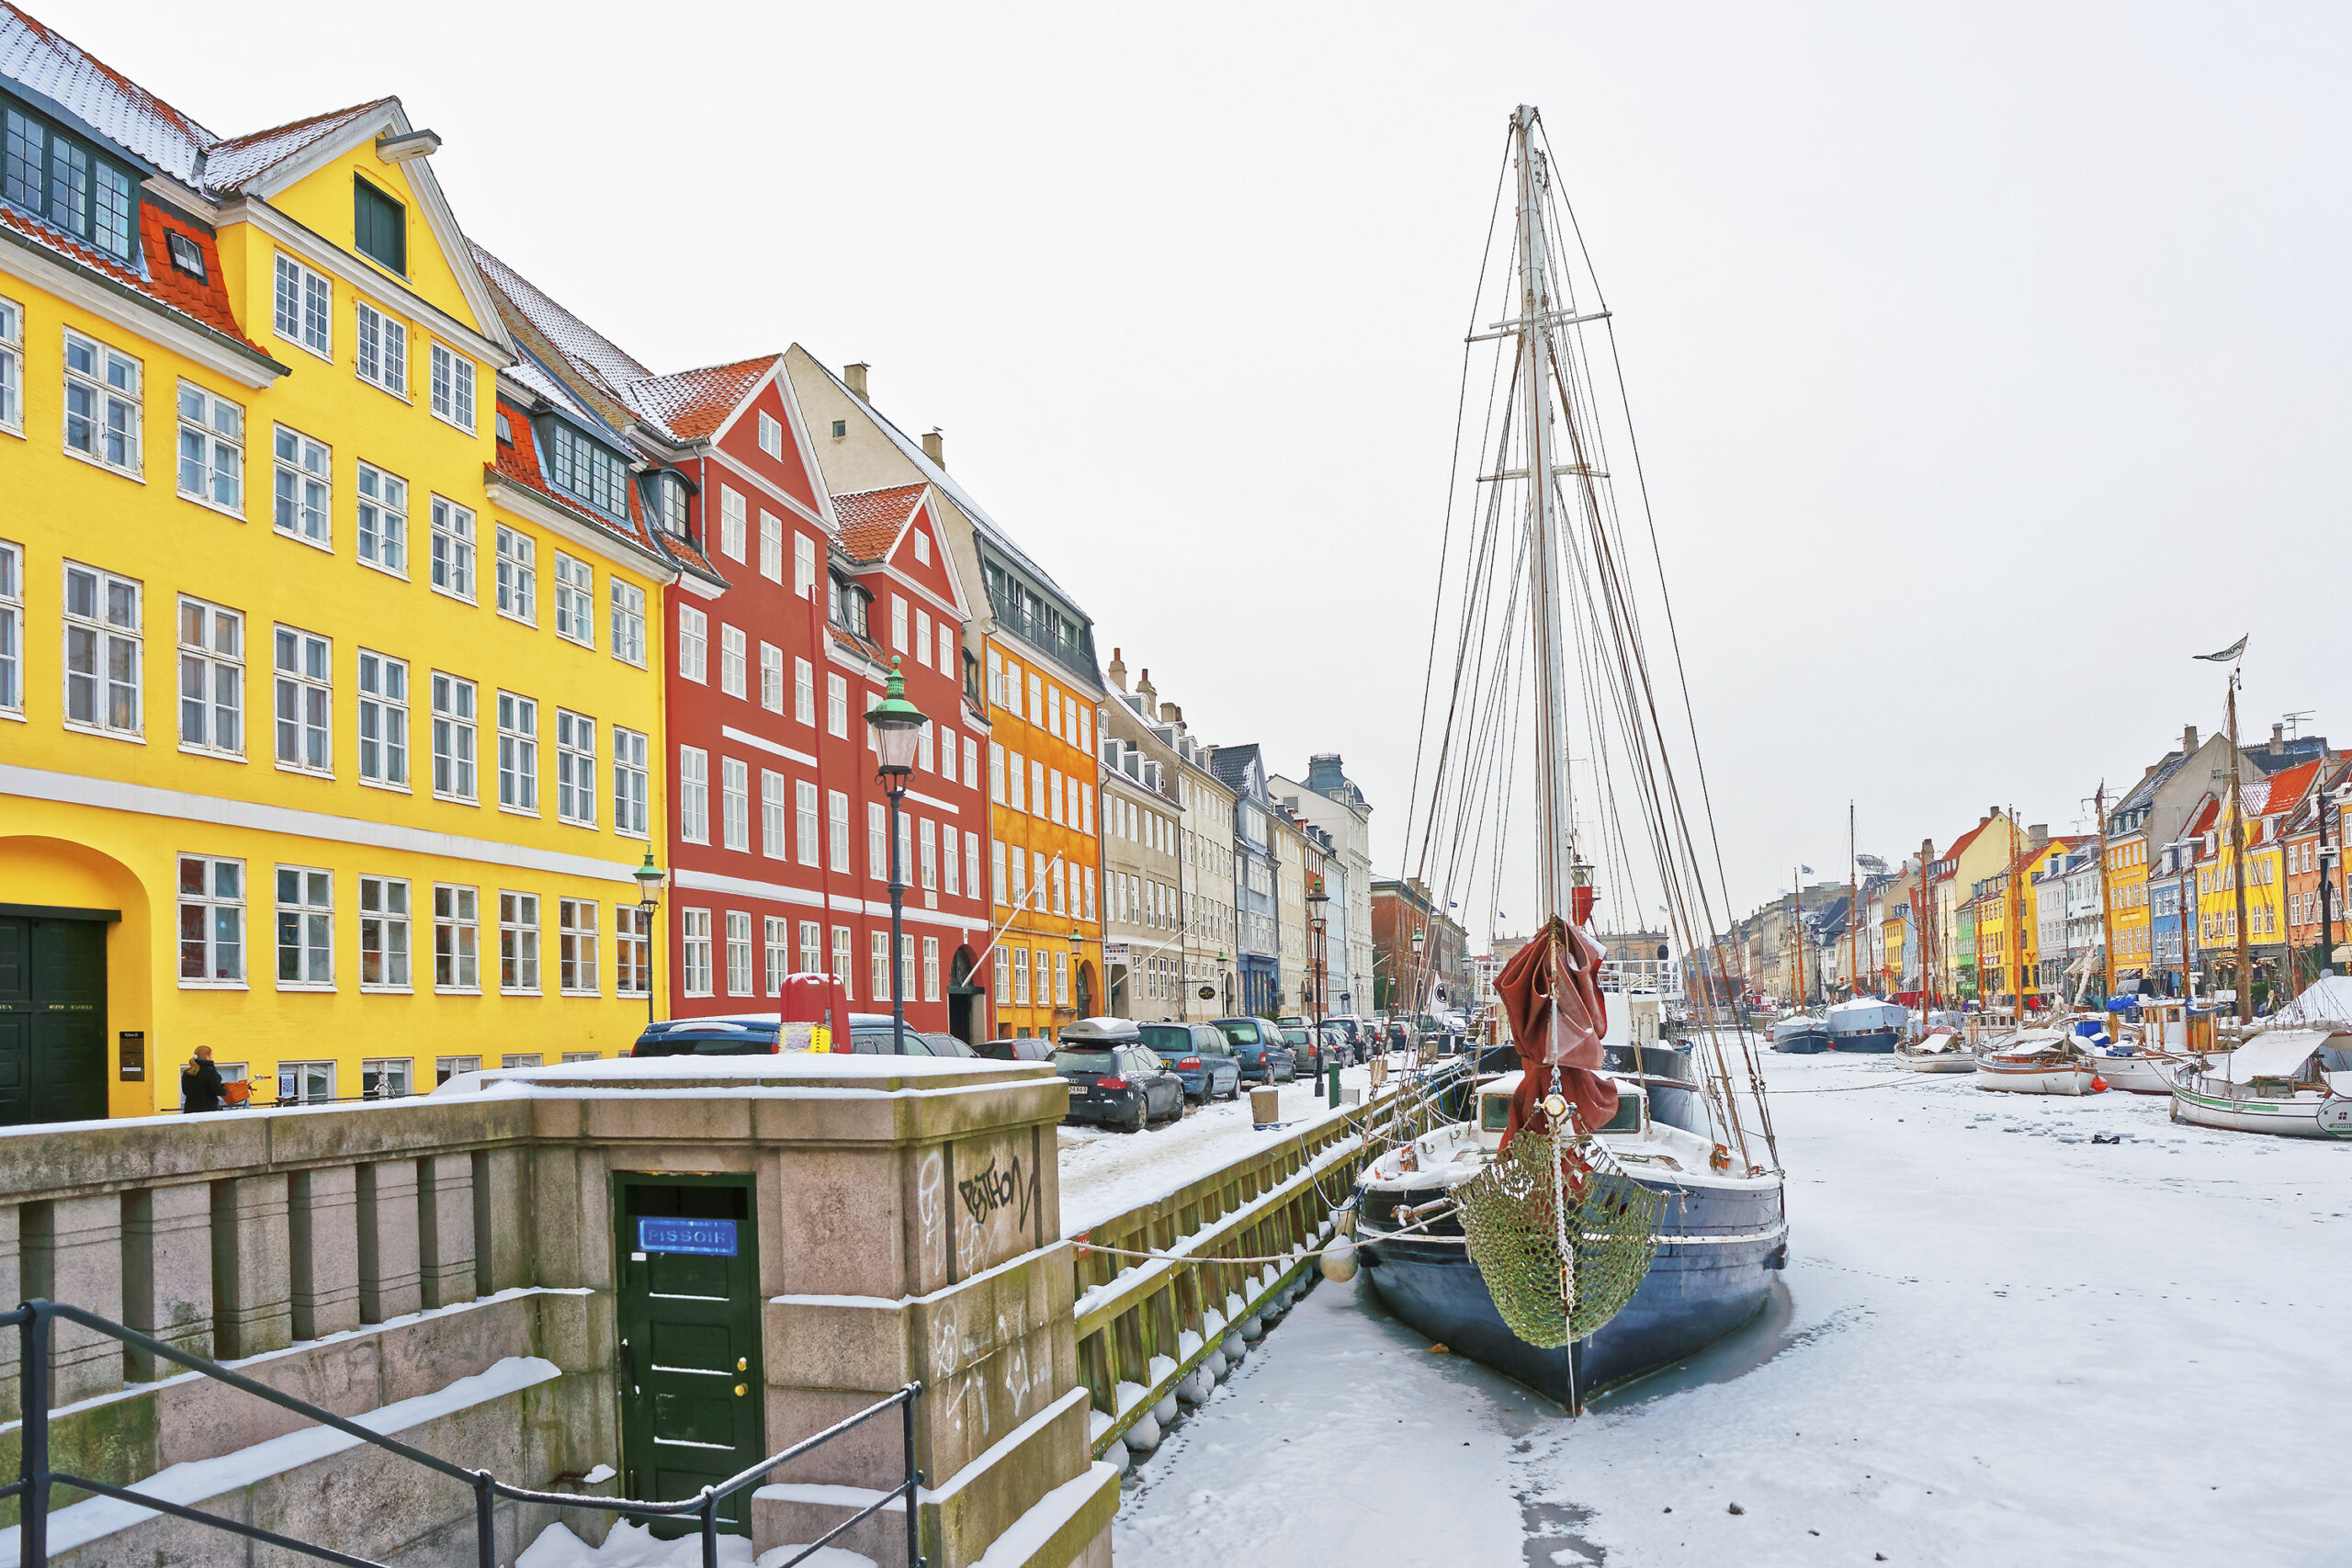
[648,902]
[1078,957]
[897,726]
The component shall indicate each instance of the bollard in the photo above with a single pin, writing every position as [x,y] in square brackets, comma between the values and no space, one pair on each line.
[1334,1101]
[1266,1107]
[1352,1097]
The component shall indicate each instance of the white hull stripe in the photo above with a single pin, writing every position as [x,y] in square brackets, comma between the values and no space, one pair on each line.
[147,800]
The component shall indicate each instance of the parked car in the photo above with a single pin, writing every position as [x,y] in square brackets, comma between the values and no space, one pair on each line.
[1306,1049]
[1340,1046]
[1114,1077]
[727,1035]
[1257,1045]
[1034,1048]
[1195,1052]
[871,1034]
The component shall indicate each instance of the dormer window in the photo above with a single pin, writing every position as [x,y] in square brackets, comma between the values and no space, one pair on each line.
[188,256]
[670,502]
[587,471]
[56,177]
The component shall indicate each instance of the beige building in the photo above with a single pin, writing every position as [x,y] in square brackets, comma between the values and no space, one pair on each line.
[1291,882]
[1143,868]
[1209,983]
[1330,800]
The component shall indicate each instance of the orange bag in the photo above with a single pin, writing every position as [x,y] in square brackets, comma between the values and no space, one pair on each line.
[236,1091]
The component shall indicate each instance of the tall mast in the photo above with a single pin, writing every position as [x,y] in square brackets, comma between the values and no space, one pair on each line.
[1553,824]
[1853,913]
[1796,926]
[2106,892]
[2237,857]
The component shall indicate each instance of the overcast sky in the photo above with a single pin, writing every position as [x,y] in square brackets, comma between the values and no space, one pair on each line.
[1988,364]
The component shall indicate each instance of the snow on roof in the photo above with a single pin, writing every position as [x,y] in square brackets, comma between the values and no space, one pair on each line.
[588,349]
[233,162]
[2328,1002]
[47,64]
[2278,1055]
[692,404]
[913,452]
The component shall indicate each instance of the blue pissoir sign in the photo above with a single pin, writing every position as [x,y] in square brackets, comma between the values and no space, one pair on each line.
[712,1239]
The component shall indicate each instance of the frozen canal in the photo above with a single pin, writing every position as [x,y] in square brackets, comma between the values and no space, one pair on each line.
[2000,1343]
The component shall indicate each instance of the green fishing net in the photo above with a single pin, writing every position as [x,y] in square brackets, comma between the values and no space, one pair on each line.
[1508,1215]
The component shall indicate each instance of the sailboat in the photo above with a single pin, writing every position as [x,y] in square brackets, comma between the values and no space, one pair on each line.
[1566,1233]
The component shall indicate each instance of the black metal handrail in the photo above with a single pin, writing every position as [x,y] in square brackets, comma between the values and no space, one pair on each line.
[33,1322]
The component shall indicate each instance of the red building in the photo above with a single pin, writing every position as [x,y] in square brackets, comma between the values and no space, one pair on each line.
[778,635]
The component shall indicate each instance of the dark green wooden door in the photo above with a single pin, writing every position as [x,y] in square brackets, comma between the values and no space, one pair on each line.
[52,1019]
[691,1406]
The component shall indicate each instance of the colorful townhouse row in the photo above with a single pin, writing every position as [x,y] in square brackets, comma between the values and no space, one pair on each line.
[2010,913]
[374,631]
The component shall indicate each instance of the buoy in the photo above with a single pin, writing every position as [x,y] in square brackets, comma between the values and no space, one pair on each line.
[1340,1260]
[1143,1436]
[1165,1411]
[2099,1084]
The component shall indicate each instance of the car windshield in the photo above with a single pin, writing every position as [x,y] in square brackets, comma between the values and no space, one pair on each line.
[1168,1039]
[1241,1032]
[1081,1061]
[1293,1037]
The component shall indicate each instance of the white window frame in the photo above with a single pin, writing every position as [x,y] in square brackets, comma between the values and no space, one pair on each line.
[12,368]
[805,821]
[576,782]
[301,505]
[220,455]
[694,796]
[804,565]
[313,927]
[381,721]
[516,593]
[837,704]
[387,1077]
[312,1081]
[930,961]
[694,645]
[804,691]
[211,905]
[898,622]
[693,952]
[877,842]
[110,398]
[457,747]
[386,914]
[632,951]
[845,962]
[379,535]
[733,523]
[632,793]
[452,393]
[996,865]
[575,600]
[519,753]
[772,677]
[576,949]
[735,804]
[314,699]
[771,435]
[877,953]
[734,662]
[927,859]
[776,952]
[518,943]
[456,939]
[379,349]
[453,550]
[203,664]
[771,546]
[739,953]
[628,622]
[774,842]
[837,828]
[812,948]
[302,307]
[972,864]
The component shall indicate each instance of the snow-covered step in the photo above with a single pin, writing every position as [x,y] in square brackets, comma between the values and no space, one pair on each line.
[317,1483]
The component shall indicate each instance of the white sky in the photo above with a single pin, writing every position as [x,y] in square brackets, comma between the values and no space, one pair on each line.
[1987,364]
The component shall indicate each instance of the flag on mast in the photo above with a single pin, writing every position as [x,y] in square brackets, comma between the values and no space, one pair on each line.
[2227,656]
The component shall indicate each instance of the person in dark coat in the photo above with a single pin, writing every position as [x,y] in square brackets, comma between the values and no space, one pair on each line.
[200,1082]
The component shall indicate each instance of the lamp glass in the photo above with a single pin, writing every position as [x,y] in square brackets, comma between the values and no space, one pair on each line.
[898,725]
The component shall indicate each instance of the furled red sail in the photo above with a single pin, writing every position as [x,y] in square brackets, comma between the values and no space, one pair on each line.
[1551,995]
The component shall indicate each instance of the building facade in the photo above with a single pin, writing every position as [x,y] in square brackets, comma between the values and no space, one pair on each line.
[1330,800]
[289,770]
[1256,906]
[1144,869]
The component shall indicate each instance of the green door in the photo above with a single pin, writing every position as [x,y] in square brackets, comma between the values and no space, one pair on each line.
[691,1381]
[52,1019]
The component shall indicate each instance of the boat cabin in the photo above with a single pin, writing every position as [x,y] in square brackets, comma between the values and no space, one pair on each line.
[1494,1109]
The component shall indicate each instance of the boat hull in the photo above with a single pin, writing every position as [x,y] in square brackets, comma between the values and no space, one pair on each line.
[1936,1062]
[1877,1041]
[2137,1075]
[1716,1255]
[1801,1043]
[2059,1080]
[2302,1118]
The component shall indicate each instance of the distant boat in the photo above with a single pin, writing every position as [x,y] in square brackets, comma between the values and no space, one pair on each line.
[2035,1061]
[1801,1035]
[1866,1023]
[2123,1057]
[1938,1053]
[2295,1083]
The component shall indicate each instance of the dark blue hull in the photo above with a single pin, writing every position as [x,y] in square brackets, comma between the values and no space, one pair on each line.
[1878,1040]
[1695,1294]
[1803,1043]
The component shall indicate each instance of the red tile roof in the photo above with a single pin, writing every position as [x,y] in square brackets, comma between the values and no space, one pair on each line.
[871,520]
[519,462]
[2281,790]
[693,404]
[205,304]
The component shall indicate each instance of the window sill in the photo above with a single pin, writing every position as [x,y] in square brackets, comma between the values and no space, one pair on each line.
[517,810]
[586,642]
[313,988]
[186,749]
[513,991]
[18,714]
[598,995]
[327,774]
[456,990]
[398,394]
[447,592]
[15,429]
[236,514]
[135,475]
[621,657]
[324,547]
[326,354]
[388,990]
[187,984]
[397,573]
[133,737]
[457,799]
[470,431]
[366,783]
[530,621]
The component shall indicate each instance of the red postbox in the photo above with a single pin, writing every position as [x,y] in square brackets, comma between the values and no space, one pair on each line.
[817,1001]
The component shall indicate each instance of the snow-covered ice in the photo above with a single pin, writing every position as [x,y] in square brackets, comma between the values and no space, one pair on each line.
[1996,1342]
[634,1546]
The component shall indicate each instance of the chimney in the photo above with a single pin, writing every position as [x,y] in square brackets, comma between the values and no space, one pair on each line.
[2188,741]
[934,447]
[1145,690]
[2036,835]
[1117,671]
[1170,713]
[2278,739]
[855,376]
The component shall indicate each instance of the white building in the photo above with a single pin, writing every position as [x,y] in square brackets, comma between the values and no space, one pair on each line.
[1330,800]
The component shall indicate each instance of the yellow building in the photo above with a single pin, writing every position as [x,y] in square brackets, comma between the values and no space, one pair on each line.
[2126,906]
[310,753]
[2269,802]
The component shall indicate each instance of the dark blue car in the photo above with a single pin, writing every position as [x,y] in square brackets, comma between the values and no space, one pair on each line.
[1257,1045]
[1197,1054]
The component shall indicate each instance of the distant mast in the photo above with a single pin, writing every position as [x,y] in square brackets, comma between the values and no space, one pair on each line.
[1554,819]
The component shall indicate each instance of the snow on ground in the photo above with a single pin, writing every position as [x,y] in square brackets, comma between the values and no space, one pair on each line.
[1106,1173]
[1996,1342]
[634,1546]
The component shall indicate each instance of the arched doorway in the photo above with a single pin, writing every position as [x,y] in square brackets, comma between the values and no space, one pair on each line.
[1082,991]
[73,970]
[963,997]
